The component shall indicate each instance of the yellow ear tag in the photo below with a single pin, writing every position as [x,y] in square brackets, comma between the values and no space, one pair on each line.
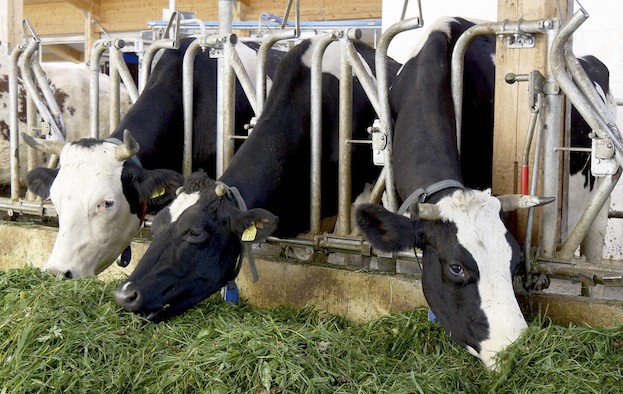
[158,192]
[250,233]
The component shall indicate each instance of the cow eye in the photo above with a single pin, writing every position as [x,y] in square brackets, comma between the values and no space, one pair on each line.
[105,204]
[196,235]
[457,269]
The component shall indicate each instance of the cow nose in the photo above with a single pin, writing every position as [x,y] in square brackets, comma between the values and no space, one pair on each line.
[130,299]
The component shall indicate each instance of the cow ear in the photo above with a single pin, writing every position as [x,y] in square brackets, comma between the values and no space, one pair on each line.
[387,231]
[39,180]
[157,188]
[254,225]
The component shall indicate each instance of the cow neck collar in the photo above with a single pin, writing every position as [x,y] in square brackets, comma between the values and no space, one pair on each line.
[421,194]
[234,194]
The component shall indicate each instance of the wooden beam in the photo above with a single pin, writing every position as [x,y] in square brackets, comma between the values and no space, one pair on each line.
[86,5]
[11,30]
[65,52]
[512,114]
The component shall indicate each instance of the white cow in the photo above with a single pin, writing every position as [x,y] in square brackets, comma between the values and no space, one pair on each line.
[70,84]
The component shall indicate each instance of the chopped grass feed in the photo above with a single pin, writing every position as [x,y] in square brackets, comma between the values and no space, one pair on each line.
[69,336]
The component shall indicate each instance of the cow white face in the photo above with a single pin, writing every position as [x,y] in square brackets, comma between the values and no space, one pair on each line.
[468,261]
[100,197]
[95,222]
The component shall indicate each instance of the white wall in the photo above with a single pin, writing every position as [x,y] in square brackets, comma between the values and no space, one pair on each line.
[601,35]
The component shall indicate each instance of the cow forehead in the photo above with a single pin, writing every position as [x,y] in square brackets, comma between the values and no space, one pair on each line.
[480,229]
[93,172]
[182,203]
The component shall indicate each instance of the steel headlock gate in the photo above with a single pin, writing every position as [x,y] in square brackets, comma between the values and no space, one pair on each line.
[565,75]
[222,45]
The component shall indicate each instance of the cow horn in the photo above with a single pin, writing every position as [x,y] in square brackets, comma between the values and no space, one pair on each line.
[220,190]
[179,190]
[512,202]
[53,147]
[129,148]
[427,211]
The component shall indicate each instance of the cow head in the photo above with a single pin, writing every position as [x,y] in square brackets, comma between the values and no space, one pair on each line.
[468,262]
[100,196]
[194,252]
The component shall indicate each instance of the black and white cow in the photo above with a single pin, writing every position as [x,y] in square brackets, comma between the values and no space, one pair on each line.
[469,257]
[197,239]
[101,197]
[70,85]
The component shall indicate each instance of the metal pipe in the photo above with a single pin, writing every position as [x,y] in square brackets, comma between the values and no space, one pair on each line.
[96,54]
[31,88]
[32,154]
[242,75]
[557,60]
[581,80]
[533,189]
[460,48]
[148,58]
[551,110]
[124,73]
[262,57]
[225,98]
[363,72]
[48,95]
[345,133]
[115,90]
[580,230]
[27,207]
[316,131]
[188,67]
[383,95]
[14,121]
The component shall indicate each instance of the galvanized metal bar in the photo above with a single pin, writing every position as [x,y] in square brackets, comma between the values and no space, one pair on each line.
[124,72]
[32,154]
[534,180]
[345,133]
[586,87]
[188,67]
[14,121]
[363,72]
[148,58]
[262,58]
[550,213]
[316,131]
[225,98]
[242,75]
[557,61]
[94,65]
[383,89]
[460,48]
[600,196]
[27,207]
[31,88]
[48,95]
[115,90]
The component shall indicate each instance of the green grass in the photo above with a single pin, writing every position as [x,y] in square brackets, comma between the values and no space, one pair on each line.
[69,336]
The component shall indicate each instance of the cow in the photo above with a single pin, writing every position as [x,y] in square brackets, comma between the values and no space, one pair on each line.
[70,86]
[197,239]
[101,196]
[469,256]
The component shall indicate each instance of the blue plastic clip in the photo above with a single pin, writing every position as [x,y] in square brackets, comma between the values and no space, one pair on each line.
[431,315]
[230,292]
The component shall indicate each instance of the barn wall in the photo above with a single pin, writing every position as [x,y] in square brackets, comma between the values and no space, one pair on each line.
[132,15]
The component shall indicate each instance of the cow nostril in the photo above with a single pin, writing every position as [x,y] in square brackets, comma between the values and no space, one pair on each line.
[68,275]
[129,299]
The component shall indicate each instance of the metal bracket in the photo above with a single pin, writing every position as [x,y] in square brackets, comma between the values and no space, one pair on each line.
[216,53]
[379,143]
[602,157]
[519,40]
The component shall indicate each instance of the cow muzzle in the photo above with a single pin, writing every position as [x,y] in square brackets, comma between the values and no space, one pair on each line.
[128,298]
